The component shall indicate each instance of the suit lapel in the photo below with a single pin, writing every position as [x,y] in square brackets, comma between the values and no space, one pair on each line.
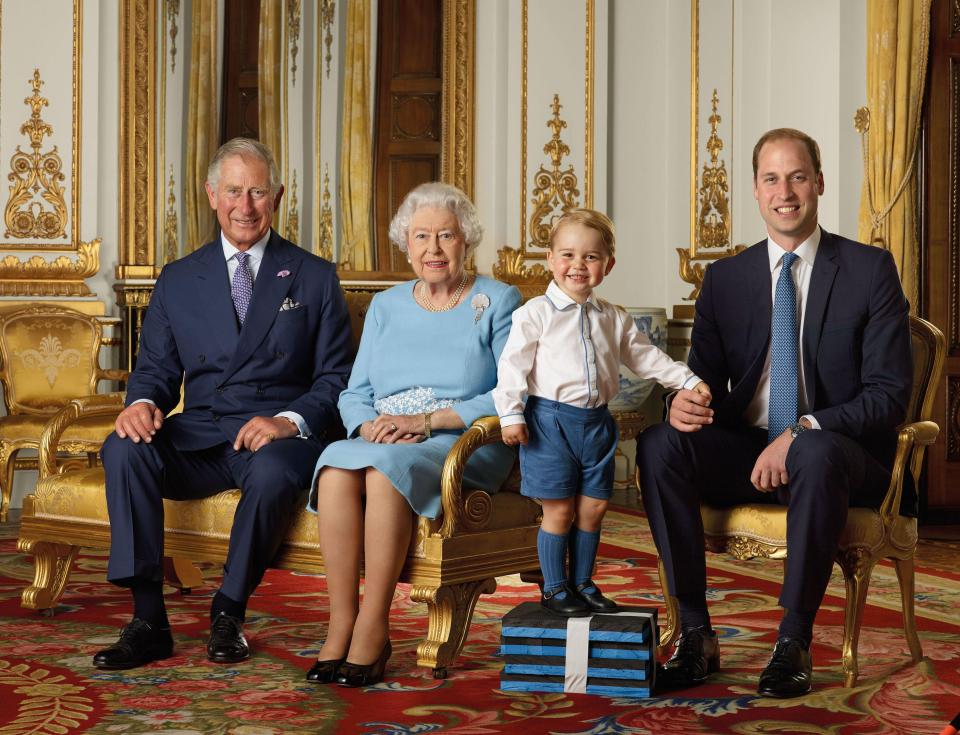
[269,291]
[213,293]
[761,301]
[821,283]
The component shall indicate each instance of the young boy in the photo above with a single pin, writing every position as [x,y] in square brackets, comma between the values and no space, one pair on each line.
[562,360]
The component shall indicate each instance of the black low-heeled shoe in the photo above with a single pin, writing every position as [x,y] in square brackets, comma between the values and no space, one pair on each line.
[363,675]
[325,672]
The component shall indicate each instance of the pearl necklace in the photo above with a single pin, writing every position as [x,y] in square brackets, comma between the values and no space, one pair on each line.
[425,302]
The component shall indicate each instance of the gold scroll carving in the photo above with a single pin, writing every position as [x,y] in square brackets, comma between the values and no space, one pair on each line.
[293,37]
[33,174]
[325,244]
[327,9]
[555,189]
[711,238]
[37,276]
[293,213]
[173,10]
[171,239]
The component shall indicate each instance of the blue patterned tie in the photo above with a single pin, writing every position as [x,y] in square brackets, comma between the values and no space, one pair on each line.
[783,353]
[242,286]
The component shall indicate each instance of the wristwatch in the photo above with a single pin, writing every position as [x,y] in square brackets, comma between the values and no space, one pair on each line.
[797,429]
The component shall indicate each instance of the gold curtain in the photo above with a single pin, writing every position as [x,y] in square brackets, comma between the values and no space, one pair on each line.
[270,56]
[356,162]
[202,119]
[898,35]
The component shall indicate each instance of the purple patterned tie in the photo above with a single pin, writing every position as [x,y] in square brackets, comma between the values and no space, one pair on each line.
[242,286]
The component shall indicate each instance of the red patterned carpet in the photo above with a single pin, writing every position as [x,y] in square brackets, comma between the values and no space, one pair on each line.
[47,685]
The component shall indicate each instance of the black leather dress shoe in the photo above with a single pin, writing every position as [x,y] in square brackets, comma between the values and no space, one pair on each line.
[326,671]
[595,600]
[364,675]
[570,605]
[789,670]
[227,644]
[697,655]
[139,644]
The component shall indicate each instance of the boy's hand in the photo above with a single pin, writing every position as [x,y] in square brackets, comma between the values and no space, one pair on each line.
[704,390]
[515,434]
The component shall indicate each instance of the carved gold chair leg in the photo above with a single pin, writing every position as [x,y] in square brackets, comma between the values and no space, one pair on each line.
[905,576]
[450,610]
[52,564]
[856,575]
[181,573]
[7,467]
[670,625]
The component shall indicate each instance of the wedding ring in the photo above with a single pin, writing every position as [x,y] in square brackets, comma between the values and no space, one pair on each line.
[393,427]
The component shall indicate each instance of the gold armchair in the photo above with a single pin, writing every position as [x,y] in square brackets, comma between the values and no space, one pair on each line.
[756,530]
[48,355]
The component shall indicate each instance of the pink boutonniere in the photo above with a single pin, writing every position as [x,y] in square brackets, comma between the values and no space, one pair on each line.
[283,274]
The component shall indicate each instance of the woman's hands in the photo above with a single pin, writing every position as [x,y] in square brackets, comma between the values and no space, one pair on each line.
[388,429]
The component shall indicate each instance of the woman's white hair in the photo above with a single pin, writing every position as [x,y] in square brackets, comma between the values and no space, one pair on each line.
[442,196]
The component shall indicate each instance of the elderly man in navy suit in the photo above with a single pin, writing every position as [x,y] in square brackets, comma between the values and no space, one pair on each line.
[257,333]
[804,341]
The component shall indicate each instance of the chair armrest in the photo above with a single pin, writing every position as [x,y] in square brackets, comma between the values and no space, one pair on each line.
[119,376]
[105,404]
[912,438]
[483,431]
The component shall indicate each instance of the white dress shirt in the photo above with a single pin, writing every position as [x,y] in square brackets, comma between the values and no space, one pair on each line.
[571,353]
[256,252]
[759,407]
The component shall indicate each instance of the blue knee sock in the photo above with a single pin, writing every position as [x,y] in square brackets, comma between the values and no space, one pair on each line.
[552,550]
[583,553]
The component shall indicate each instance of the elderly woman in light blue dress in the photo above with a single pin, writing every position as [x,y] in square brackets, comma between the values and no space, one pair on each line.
[425,369]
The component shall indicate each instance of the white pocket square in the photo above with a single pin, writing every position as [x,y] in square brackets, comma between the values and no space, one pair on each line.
[289,304]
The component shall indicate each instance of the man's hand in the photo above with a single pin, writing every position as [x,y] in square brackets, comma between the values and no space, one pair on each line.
[514,434]
[770,470]
[689,409]
[139,421]
[389,429]
[261,430]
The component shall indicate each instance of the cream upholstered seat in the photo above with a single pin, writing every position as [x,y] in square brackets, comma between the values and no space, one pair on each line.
[450,562]
[48,355]
[757,530]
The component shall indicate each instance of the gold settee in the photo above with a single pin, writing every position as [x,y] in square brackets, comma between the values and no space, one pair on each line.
[451,561]
[870,535]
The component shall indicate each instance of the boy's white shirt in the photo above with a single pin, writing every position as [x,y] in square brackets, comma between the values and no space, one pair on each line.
[571,353]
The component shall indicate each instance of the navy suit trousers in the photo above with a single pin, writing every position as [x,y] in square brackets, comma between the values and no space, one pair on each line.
[140,475]
[828,473]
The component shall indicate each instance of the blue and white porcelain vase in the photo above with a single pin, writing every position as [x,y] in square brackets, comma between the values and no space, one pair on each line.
[634,391]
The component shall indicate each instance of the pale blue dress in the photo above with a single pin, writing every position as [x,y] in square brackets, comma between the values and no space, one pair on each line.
[411,361]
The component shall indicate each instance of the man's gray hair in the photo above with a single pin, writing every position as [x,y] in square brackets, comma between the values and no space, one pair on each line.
[442,196]
[244,147]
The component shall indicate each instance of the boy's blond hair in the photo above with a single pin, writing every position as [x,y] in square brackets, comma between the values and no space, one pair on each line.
[588,218]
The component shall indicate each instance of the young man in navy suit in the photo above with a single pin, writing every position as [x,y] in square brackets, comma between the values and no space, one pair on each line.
[256,331]
[804,341]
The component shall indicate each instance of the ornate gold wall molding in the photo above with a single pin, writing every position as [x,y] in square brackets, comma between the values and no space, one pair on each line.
[171,239]
[710,213]
[62,276]
[325,25]
[293,37]
[293,213]
[36,175]
[459,25]
[138,136]
[555,189]
[325,239]
[172,12]
[588,108]
[44,222]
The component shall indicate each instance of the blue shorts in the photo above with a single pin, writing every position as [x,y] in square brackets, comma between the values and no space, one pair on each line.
[570,451]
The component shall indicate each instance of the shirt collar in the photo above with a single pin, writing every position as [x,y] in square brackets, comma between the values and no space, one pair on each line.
[561,300]
[806,251]
[255,251]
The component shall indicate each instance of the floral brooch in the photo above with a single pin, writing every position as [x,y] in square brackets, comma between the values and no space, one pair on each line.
[478,303]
